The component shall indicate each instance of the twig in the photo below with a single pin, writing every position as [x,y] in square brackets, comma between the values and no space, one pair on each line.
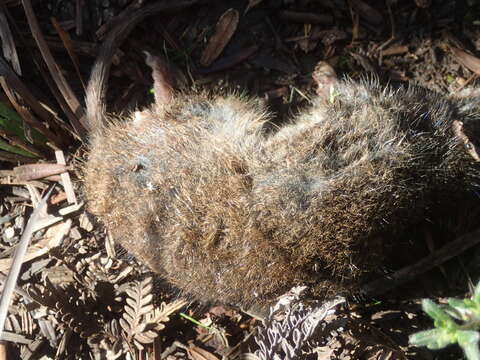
[12,277]
[66,182]
[79,4]
[68,45]
[122,17]
[438,257]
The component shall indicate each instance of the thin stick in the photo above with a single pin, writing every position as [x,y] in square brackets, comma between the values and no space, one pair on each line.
[438,257]
[20,252]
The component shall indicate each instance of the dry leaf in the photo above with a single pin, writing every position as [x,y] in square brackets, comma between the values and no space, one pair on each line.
[197,353]
[226,26]
[469,61]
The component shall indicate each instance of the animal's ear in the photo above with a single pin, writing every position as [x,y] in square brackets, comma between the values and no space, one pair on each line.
[459,131]
[467,128]
[326,78]
[162,80]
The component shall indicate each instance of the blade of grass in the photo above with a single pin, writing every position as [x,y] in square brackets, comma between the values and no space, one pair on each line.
[14,149]
[12,123]
[14,141]
[15,158]
[196,322]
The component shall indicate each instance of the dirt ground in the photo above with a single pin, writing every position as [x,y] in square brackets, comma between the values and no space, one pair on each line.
[78,295]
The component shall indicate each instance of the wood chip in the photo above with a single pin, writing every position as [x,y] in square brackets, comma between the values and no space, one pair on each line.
[66,182]
[69,209]
[37,171]
[85,222]
[224,30]
[16,338]
[395,50]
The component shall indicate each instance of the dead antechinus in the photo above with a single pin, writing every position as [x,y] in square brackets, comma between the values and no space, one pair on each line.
[196,188]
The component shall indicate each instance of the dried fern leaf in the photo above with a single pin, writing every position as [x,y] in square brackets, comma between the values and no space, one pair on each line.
[141,321]
[161,315]
[138,304]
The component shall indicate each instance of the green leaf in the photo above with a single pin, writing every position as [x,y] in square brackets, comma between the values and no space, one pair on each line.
[440,317]
[433,339]
[15,149]
[12,123]
[462,309]
[468,340]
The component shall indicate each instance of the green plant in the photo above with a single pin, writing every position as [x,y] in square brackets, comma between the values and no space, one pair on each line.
[11,128]
[458,321]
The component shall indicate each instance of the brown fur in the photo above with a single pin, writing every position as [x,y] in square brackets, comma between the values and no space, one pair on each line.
[196,189]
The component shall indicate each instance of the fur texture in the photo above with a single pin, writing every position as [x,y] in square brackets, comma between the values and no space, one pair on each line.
[226,212]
